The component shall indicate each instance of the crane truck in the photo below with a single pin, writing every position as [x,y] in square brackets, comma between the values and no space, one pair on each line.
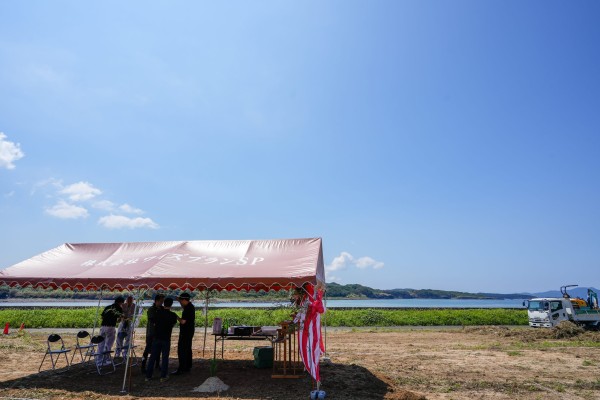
[547,312]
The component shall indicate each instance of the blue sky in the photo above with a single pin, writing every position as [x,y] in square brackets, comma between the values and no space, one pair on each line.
[432,144]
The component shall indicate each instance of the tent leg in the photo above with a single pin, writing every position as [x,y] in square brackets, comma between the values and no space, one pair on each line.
[97,308]
[205,320]
[131,338]
[325,356]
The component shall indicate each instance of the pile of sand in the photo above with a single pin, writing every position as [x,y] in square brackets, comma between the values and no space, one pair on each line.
[211,385]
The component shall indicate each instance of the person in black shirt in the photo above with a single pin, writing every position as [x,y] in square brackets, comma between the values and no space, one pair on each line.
[164,321]
[110,317]
[186,334]
[158,301]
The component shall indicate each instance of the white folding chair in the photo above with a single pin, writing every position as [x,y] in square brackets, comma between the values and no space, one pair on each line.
[102,358]
[54,351]
[125,350]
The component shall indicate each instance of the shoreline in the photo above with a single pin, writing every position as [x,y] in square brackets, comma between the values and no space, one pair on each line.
[243,300]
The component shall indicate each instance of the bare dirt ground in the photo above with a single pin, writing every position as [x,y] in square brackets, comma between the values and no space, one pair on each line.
[494,363]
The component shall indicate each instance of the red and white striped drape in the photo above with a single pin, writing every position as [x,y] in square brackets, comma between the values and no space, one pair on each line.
[310,339]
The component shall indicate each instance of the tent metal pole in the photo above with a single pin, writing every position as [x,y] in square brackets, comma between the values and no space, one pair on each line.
[205,319]
[97,308]
[131,338]
[325,356]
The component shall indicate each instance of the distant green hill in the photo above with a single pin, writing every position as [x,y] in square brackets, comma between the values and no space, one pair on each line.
[354,291]
[334,291]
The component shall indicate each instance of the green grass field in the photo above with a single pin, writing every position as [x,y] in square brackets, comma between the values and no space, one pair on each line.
[84,317]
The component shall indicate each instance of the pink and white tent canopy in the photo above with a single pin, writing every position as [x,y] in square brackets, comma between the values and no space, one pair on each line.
[199,264]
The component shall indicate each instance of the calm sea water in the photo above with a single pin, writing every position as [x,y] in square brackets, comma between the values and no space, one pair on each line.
[392,303]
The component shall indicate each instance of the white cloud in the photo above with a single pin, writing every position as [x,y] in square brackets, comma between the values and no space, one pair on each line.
[9,194]
[126,208]
[104,205]
[340,262]
[345,260]
[81,191]
[120,221]
[368,262]
[64,210]
[56,183]
[9,152]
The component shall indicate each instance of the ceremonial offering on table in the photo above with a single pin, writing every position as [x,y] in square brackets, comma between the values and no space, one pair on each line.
[217,326]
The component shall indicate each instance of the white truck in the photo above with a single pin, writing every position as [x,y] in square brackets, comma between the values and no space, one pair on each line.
[549,312]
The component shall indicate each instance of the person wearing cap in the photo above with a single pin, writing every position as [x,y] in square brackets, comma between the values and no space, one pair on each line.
[186,334]
[164,321]
[158,303]
[110,315]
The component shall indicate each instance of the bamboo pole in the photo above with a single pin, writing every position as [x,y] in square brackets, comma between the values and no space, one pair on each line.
[205,319]
[131,338]
[97,308]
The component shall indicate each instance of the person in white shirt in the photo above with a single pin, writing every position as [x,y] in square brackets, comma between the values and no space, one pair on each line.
[124,327]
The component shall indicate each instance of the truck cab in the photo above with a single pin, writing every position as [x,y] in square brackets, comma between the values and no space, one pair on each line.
[549,312]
